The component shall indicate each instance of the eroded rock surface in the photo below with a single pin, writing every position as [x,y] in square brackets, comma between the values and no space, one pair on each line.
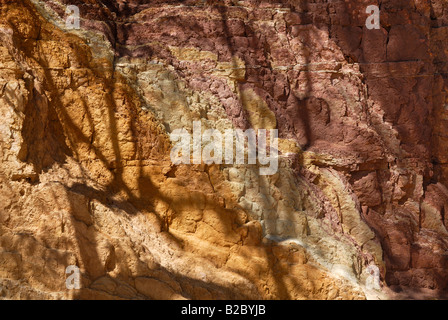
[86,175]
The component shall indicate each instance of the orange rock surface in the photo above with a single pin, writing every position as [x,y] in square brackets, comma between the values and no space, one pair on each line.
[85,169]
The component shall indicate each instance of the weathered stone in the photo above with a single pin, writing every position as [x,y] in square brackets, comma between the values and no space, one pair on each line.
[86,177]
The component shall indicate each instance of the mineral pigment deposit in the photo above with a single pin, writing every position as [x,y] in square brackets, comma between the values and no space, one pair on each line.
[91,91]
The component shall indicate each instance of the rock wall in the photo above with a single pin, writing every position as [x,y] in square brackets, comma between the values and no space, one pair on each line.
[86,175]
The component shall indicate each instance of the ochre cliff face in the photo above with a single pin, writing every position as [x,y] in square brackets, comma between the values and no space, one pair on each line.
[87,179]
